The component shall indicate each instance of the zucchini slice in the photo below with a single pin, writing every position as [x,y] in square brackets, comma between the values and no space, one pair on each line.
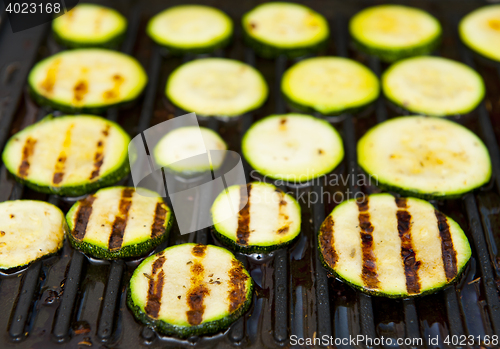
[86,80]
[119,222]
[392,32]
[89,25]
[329,85]
[292,147]
[216,87]
[192,29]
[480,31]
[185,143]
[277,28]
[68,155]
[29,230]
[433,86]
[430,158]
[270,219]
[189,290]
[393,247]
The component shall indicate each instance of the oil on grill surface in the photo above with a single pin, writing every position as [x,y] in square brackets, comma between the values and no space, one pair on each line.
[81,301]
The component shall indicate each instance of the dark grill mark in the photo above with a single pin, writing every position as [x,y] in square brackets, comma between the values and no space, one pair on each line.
[369,270]
[401,203]
[99,154]
[283,217]
[448,252]
[237,283]
[159,221]
[196,293]
[80,90]
[283,230]
[156,281]
[61,160]
[82,217]
[327,242]
[28,150]
[243,230]
[120,223]
[199,250]
[410,262]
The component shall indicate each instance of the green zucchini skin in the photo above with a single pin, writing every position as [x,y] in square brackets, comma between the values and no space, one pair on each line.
[310,110]
[177,52]
[249,249]
[79,190]
[111,44]
[390,56]
[186,332]
[140,249]
[269,51]
[387,295]
[387,187]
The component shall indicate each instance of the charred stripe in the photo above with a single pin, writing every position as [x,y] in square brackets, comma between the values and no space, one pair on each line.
[198,290]
[283,223]
[447,250]
[82,217]
[327,242]
[409,260]
[28,149]
[120,223]
[369,270]
[155,289]
[243,230]
[199,250]
[237,283]
[99,154]
[158,228]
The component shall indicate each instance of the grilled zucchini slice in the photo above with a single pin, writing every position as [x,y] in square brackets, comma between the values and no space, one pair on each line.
[89,25]
[190,289]
[430,158]
[216,87]
[393,247]
[178,150]
[292,147]
[433,86]
[68,155]
[329,85]
[119,222]
[392,32]
[86,80]
[269,220]
[192,29]
[29,230]
[480,31]
[277,28]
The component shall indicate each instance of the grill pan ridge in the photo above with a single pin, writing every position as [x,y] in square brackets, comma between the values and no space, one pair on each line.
[70,300]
